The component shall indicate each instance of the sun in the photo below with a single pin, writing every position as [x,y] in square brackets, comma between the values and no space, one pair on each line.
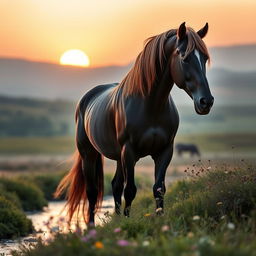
[75,57]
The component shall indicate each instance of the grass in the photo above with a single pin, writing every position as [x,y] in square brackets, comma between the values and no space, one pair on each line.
[241,142]
[36,145]
[213,213]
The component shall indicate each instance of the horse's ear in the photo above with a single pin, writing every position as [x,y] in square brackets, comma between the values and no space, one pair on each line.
[182,31]
[203,31]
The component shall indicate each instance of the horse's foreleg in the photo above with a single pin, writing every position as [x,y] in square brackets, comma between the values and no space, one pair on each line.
[162,161]
[118,187]
[128,163]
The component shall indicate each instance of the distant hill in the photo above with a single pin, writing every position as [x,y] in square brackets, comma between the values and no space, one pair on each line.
[232,77]
[237,58]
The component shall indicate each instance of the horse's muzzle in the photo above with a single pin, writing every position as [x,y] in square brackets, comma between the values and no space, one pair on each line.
[203,106]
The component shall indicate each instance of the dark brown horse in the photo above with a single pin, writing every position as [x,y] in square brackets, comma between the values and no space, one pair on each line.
[136,118]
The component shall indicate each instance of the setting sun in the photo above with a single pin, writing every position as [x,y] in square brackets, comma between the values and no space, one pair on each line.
[75,57]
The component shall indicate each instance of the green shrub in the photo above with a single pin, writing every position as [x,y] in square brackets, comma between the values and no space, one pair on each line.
[48,184]
[30,196]
[10,196]
[13,221]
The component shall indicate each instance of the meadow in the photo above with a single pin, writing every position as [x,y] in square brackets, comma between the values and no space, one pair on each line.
[211,213]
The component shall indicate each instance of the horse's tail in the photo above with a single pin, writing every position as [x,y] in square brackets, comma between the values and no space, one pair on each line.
[74,183]
[77,181]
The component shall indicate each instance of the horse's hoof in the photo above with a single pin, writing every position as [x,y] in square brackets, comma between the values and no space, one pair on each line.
[127,212]
[160,211]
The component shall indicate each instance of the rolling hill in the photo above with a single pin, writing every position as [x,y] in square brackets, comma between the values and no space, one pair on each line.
[232,77]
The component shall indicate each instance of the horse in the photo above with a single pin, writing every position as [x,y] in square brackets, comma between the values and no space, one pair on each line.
[135,118]
[190,148]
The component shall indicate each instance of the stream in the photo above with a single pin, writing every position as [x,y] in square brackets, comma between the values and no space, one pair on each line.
[51,220]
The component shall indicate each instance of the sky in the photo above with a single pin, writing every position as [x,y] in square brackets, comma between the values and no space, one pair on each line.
[112,32]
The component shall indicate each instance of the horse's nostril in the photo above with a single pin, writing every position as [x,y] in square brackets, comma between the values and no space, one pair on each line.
[203,102]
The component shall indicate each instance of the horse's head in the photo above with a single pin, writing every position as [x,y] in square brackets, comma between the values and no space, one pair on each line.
[188,71]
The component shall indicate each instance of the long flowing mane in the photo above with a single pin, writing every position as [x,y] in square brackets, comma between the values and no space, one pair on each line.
[150,61]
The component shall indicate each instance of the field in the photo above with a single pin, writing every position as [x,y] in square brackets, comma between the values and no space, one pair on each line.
[213,213]
[207,143]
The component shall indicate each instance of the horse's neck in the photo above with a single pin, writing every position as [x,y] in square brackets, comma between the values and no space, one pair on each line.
[160,92]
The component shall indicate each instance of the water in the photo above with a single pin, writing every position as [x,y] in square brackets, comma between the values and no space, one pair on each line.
[53,219]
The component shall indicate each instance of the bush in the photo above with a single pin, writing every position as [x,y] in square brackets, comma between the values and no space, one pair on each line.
[13,221]
[30,196]
[48,184]
[10,196]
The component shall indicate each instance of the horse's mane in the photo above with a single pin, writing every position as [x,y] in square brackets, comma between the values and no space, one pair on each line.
[143,74]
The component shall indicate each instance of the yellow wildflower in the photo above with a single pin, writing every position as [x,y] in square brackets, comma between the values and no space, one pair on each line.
[99,245]
[147,214]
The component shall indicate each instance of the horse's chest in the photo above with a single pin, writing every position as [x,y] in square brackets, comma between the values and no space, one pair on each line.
[151,140]
[151,137]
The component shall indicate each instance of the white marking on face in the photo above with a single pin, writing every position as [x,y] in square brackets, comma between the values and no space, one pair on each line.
[196,52]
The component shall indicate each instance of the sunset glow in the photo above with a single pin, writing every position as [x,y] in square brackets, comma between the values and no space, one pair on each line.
[112,32]
[75,58]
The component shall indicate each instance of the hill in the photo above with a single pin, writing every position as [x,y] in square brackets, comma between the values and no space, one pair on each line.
[232,77]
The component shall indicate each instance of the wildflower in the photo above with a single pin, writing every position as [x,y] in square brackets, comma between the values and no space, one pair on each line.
[219,203]
[145,243]
[190,234]
[209,168]
[117,230]
[196,217]
[165,228]
[123,243]
[147,214]
[99,245]
[92,233]
[222,217]
[231,226]
[61,219]
[84,239]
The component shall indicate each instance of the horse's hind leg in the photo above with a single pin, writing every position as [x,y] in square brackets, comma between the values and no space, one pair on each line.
[128,163]
[118,187]
[93,174]
[162,161]
[92,166]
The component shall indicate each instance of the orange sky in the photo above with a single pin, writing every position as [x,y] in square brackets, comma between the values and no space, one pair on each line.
[113,31]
